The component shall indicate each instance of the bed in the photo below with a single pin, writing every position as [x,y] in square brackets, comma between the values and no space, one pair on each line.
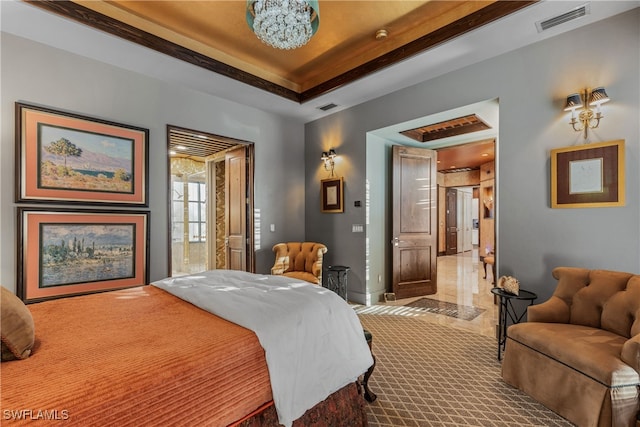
[149,356]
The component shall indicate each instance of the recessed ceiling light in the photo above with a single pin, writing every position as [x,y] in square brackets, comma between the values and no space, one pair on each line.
[381,34]
[484,154]
[180,147]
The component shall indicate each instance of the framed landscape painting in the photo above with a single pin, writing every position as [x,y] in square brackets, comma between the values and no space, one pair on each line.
[68,158]
[65,252]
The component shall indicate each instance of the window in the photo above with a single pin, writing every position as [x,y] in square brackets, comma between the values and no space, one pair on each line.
[189,211]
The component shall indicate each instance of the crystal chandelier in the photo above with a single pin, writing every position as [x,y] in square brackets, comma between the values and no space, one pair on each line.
[283,24]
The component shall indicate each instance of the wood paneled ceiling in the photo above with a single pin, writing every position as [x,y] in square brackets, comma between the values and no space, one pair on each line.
[452,127]
[465,157]
[214,35]
[197,145]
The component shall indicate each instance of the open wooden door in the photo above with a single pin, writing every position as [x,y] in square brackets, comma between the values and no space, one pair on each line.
[415,202]
[236,209]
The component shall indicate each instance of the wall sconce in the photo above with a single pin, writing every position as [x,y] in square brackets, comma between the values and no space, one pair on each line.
[587,118]
[327,158]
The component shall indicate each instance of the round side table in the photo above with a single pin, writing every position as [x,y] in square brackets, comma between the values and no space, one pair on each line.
[506,308]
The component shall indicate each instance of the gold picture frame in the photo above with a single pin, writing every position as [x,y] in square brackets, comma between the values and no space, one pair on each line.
[588,176]
[332,195]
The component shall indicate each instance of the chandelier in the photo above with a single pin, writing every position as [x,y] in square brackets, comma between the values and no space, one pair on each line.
[283,24]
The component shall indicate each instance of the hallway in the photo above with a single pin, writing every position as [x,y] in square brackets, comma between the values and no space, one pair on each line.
[461,282]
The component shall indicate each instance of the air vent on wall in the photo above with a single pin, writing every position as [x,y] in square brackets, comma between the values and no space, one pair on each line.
[576,13]
[327,107]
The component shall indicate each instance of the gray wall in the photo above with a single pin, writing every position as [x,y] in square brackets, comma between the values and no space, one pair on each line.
[531,85]
[37,74]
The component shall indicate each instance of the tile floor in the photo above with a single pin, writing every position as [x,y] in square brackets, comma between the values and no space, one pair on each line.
[460,281]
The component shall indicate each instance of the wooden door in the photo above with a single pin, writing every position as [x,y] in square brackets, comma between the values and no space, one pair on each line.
[236,209]
[467,221]
[451,221]
[415,202]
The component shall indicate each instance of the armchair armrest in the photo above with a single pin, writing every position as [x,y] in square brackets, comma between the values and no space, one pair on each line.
[281,264]
[554,310]
[631,352]
[316,268]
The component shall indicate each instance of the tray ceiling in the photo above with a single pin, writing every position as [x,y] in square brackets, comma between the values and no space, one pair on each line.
[214,35]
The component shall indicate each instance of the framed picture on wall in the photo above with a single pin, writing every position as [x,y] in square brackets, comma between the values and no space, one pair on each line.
[588,176]
[68,158]
[332,197]
[70,252]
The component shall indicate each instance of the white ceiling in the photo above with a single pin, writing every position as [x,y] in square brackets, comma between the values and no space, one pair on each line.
[515,31]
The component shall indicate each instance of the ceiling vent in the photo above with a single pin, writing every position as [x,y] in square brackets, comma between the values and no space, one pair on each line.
[327,107]
[576,13]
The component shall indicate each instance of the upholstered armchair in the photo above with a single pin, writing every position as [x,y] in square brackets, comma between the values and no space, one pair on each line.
[579,351]
[300,260]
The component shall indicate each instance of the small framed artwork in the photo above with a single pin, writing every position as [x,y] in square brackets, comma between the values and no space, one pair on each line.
[332,196]
[588,176]
[70,252]
[68,158]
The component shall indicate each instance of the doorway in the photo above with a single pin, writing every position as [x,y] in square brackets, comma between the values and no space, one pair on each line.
[210,202]
[436,132]
[461,219]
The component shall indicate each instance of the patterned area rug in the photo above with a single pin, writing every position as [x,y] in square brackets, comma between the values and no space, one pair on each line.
[433,375]
[448,309]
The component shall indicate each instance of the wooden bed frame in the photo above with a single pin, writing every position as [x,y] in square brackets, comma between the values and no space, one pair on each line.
[143,356]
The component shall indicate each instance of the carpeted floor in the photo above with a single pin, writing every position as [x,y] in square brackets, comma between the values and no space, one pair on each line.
[447,308]
[433,375]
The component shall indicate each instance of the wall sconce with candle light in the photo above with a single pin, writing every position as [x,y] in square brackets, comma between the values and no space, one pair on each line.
[587,118]
[328,159]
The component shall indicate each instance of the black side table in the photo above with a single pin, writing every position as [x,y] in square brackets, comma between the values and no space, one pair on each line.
[337,279]
[507,309]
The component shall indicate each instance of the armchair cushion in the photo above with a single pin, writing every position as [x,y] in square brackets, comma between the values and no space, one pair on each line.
[300,260]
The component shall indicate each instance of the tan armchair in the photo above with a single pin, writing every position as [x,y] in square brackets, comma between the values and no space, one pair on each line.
[300,260]
[579,351]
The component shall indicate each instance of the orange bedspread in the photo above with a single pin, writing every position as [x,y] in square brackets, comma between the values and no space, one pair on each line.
[134,357]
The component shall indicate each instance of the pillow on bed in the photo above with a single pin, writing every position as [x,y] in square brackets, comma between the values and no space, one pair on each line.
[16,327]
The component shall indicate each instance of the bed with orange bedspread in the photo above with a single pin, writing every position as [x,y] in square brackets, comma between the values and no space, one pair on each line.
[142,356]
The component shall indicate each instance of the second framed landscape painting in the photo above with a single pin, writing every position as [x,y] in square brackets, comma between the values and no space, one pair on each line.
[68,158]
[71,252]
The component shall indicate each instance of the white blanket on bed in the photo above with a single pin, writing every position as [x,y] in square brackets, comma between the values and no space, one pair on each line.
[313,340]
